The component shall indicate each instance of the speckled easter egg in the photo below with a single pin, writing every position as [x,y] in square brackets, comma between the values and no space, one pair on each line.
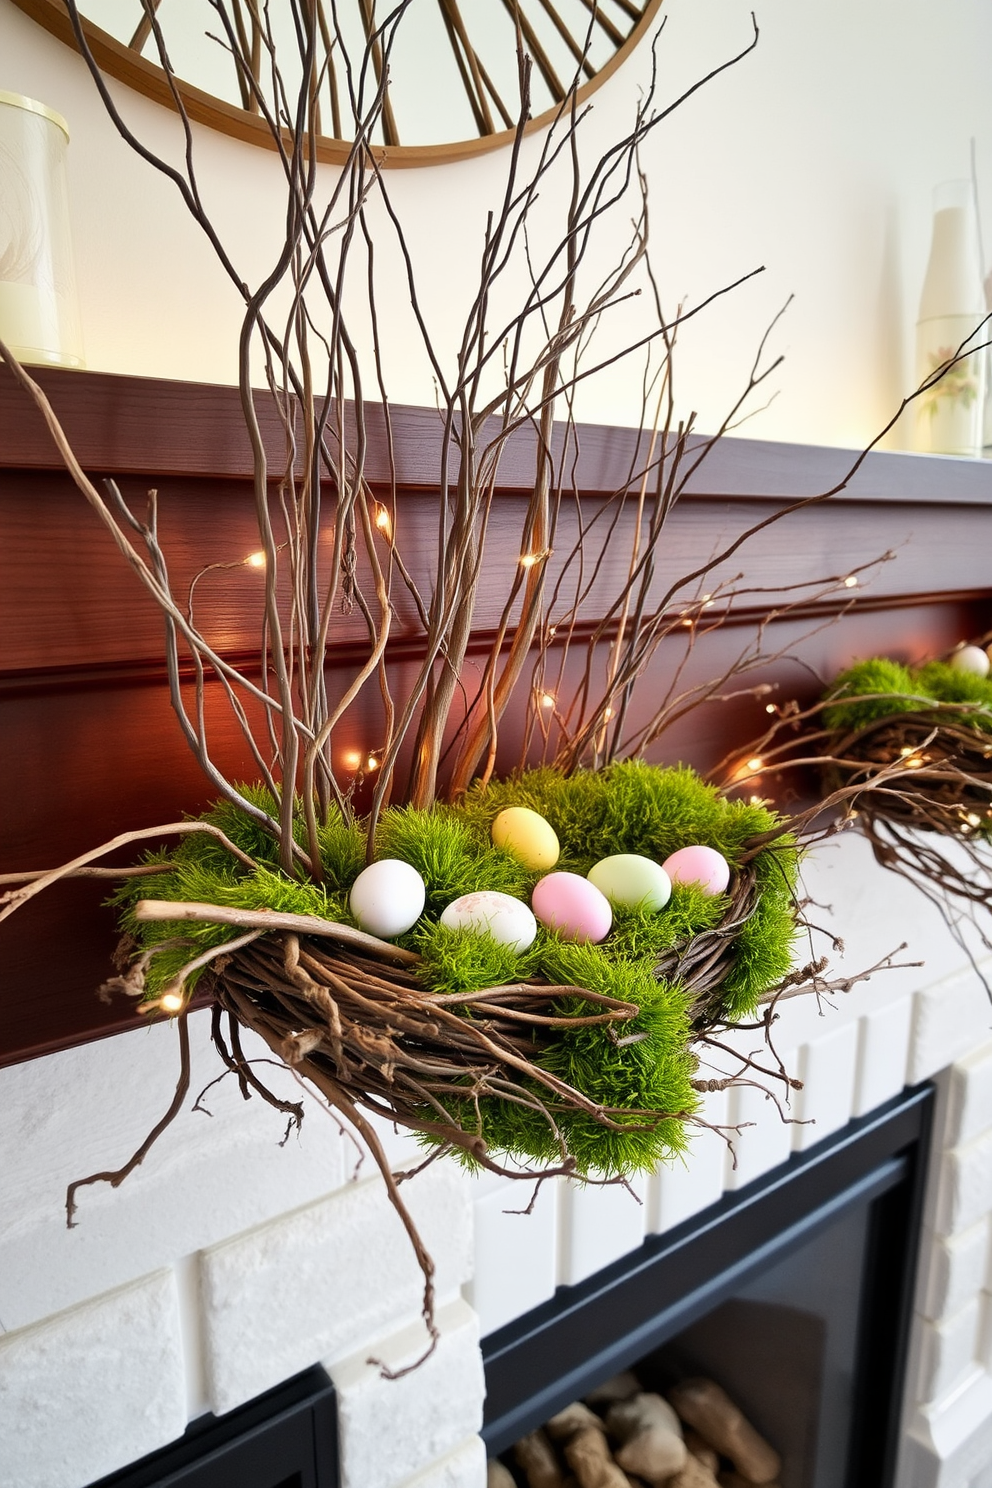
[573,906]
[526,835]
[633,881]
[702,865]
[506,919]
[387,898]
[971,659]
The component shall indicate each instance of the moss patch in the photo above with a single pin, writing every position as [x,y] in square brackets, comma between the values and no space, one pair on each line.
[643,1066]
[904,690]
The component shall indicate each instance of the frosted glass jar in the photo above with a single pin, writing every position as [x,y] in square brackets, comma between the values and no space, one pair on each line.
[39,312]
[949,415]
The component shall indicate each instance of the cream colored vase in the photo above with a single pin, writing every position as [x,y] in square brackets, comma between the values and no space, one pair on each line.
[39,312]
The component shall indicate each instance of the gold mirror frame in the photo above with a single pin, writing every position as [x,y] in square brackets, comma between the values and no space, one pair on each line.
[127,66]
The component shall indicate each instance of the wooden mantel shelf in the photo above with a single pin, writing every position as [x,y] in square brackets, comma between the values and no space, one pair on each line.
[89,744]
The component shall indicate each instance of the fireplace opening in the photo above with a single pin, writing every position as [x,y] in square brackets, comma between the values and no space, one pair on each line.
[793,1296]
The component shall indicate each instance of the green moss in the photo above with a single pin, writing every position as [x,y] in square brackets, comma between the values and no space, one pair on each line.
[645,1083]
[642,1066]
[451,855]
[902,690]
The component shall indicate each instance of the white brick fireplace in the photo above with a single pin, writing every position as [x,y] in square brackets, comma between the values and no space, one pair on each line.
[228,1263]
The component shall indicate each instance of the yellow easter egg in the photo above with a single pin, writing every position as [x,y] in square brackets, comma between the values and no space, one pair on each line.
[526,835]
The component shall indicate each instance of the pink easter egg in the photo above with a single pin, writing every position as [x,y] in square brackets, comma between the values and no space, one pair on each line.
[570,904]
[702,865]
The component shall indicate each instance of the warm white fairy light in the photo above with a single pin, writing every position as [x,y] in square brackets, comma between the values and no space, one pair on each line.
[255,560]
[771,708]
[383,520]
[547,700]
[607,714]
[353,759]
[171,1002]
[973,819]
[372,762]
[756,763]
[851,582]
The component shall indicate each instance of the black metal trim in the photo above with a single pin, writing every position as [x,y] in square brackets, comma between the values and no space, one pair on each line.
[287,1434]
[540,1362]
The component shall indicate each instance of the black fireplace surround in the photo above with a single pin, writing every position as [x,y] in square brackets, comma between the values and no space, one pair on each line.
[870,1177]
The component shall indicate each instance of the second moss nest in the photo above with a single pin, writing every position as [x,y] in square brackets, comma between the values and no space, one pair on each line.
[879,688]
[628,808]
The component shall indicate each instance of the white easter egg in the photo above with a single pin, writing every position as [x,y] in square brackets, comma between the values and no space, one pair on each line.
[506,919]
[971,659]
[387,898]
[631,880]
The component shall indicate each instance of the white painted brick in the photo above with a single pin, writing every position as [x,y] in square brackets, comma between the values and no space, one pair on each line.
[827,1069]
[430,1411]
[949,1020]
[203,1180]
[92,1389]
[317,1283]
[969,1102]
[685,1187]
[955,1431]
[597,1225]
[948,1351]
[465,1467]
[964,1186]
[883,1052]
[765,1140]
[955,1269]
[516,1254]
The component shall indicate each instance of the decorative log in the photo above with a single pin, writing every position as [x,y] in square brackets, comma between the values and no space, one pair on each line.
[651,1437]
[701,1403]
[575,1417]
[588,1455]
[536,1456]
[734,1480]
[693,1475]
[618,1387]
[700,1447]
[628,1418]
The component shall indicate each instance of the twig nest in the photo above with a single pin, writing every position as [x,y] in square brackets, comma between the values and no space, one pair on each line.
[528,837]
[971,659]
[573,906]
[387,898]
[509,921]
[632,881]
[700,865]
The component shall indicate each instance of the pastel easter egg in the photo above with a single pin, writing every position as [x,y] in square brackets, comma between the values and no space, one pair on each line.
[387,898]
[506,919]
[701,865]
[631,880]
[573,906]
[971,659]
[526,835]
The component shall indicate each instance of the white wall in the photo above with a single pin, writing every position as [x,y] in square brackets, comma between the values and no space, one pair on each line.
[816,158]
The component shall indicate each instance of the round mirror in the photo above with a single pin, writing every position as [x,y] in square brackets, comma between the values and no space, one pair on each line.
[450,67]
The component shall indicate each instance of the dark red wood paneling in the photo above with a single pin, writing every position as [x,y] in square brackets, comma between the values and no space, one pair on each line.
[89,746]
